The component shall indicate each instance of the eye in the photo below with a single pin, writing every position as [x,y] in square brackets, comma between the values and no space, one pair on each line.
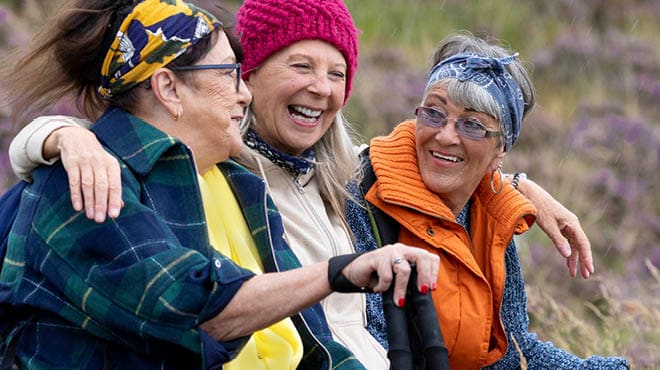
[339,75]
[435,114]
[473,124]
[302,66]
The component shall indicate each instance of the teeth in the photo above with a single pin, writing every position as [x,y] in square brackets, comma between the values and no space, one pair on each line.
[306,111]
[446,158]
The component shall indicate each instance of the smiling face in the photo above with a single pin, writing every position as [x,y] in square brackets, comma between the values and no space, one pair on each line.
[452,165]
[212,109]
[297,94]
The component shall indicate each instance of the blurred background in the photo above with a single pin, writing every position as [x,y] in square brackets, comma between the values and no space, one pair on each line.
[593,140]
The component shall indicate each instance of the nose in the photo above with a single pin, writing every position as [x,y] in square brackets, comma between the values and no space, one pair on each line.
[448,134]
[244,95]
[321,86]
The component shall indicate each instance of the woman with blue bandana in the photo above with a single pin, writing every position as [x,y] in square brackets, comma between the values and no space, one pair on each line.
[167,284]
[438,177]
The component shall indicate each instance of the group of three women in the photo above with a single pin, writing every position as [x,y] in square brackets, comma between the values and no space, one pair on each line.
[145,281]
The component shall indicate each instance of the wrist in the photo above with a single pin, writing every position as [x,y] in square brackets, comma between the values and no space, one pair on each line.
[517,179]
[52,146]
[338,282]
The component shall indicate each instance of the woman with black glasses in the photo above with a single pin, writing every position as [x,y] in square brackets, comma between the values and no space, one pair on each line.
[171,283]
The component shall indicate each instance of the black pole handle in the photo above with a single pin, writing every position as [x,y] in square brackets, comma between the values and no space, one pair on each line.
[413,332]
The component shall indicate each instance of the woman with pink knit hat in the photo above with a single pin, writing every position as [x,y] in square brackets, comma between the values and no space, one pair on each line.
[301,56]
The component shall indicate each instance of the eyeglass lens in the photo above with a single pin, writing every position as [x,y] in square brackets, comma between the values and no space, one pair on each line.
[467,127]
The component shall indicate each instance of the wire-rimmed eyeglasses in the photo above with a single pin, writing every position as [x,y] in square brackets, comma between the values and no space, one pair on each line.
[231,66]
[470,128]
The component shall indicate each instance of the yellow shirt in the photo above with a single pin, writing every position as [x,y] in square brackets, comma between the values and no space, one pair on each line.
[278,346]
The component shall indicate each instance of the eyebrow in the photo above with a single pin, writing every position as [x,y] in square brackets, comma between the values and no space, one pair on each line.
[443,99]
[437,96]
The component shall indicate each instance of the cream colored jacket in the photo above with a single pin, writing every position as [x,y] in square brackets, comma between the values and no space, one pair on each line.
[313,231]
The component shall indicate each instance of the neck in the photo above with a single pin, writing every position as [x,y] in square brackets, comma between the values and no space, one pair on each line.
[202,154]
[455,206]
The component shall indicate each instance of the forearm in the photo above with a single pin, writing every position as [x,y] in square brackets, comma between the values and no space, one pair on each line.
[266,299]
[31,147]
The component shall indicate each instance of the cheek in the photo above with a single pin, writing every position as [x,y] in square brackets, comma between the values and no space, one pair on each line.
[339,93]
[221,97]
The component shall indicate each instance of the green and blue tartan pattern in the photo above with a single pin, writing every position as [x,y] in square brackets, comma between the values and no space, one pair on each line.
[128,293]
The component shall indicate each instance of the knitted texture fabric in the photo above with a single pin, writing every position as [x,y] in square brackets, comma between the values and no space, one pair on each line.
[268,26]
[538,354]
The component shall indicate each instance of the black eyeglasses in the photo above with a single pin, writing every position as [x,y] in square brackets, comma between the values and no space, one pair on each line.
[197,67]
[470,128]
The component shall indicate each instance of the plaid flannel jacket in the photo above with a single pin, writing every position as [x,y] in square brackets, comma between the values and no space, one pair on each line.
[128,293]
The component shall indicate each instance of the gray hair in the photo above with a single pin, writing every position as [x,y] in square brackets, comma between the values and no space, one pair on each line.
[469,94]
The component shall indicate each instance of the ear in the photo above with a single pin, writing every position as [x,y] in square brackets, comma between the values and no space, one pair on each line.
[498,158]
[167,89]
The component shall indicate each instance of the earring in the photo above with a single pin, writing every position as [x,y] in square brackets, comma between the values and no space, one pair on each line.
[492,179]
[177,115]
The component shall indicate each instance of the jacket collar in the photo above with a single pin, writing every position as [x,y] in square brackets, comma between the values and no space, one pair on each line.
[139,145]
[394,160]
[259,164]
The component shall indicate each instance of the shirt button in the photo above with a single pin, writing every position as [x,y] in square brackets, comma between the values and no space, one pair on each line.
[217,263]
[430,232]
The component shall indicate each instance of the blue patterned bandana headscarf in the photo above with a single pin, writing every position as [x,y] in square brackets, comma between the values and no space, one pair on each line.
[490,74]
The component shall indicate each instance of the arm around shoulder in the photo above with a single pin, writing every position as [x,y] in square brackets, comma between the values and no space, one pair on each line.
[26,151]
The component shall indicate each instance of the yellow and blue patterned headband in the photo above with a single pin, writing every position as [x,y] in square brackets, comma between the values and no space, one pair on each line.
[150,37]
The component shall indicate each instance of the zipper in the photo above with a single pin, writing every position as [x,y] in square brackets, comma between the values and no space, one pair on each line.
[299,186]
[315,217]
[278,268]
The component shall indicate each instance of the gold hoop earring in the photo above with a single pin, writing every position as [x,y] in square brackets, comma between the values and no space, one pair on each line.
[492,179]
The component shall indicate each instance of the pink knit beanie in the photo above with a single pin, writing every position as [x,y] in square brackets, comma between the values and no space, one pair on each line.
[268,26]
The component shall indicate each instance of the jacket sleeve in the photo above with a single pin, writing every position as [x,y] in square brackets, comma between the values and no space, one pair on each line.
[364,241]
[132,275]
[538,354]
[25,150]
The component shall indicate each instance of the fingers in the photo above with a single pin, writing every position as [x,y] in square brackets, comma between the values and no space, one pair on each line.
[392,265]
[552,230]
[115,202]
[94,175]
[74,187]
[385,272]
[427,266]
[100,195]
[401,276]
[571,263]
[87,186]
[582,247]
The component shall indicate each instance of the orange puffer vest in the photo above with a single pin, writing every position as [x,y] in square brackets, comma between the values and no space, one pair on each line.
[472,271]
